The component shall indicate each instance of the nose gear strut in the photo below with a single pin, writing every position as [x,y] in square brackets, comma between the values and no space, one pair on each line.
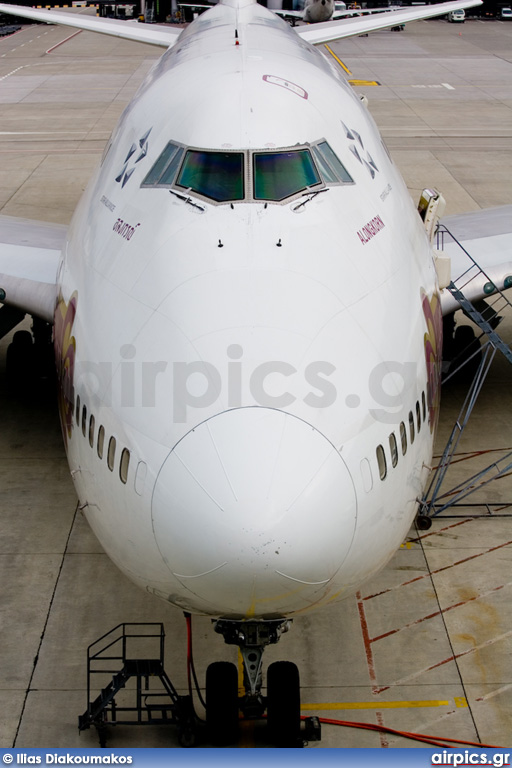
[282,703]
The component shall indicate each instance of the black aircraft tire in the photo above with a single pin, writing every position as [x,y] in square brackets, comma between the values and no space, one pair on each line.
[423,522]
[222,703]
[283,704]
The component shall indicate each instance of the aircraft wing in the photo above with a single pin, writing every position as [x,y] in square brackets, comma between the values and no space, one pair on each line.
[336,14]
[291,14]
[362,11]
[487,236]
[361,25]
[30,254]
[129,30]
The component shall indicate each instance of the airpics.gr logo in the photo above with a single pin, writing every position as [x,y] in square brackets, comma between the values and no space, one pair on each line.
[128,168]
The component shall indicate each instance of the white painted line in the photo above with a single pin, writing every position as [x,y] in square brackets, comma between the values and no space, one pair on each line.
[447,85]
[11,73]
[494,693]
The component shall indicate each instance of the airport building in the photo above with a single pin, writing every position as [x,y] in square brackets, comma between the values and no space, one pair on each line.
[152,11]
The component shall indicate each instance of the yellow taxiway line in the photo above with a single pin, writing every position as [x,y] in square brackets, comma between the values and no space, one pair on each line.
[377,705]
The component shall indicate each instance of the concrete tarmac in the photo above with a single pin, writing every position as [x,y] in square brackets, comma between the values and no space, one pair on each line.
[425,647]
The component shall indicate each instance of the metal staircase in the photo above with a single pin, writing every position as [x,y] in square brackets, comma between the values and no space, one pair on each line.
[486,315]
[154,699]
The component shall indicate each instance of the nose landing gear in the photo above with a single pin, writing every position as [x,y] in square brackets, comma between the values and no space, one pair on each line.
[282,703]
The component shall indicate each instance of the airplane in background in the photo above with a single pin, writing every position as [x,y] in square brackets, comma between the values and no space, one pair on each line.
[312,11]
[247,325]
[316,11]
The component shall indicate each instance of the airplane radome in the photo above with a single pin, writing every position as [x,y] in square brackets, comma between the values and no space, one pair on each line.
[247,329]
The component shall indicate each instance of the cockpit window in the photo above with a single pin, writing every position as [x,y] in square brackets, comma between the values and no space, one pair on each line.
[278,175]
[251,175]
[331,168]
[217,175]
[165,168]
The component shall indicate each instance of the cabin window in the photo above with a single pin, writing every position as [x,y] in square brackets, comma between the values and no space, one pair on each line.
[217,175]
[84,420]
[124,464]
[418,415]
[101,441]
[403,438]
[394,449]
[111,455]
[77,412]
[278,175]
[381,461]
[92,422]
[424,405]
[331,167]
[411,427]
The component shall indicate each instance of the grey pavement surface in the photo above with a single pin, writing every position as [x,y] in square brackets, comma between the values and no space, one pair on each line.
[426,646]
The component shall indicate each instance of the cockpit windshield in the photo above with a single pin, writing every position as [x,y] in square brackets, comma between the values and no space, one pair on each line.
[249,175]
[217,175]
[278,175]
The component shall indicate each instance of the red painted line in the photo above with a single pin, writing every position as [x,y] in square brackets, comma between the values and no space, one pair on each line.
[438,613]
[439,570]
[471,454]
[63,41]
[384,743]
[366,640]
[427,669]
[406,626]
[445,661]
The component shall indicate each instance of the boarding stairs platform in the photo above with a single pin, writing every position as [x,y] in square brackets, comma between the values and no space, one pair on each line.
[148,695]
[486,315]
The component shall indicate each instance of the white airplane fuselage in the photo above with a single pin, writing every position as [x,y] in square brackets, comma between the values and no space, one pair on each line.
[250,357]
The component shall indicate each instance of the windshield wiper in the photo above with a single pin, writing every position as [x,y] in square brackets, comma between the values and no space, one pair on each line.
[310,195]
[187,200]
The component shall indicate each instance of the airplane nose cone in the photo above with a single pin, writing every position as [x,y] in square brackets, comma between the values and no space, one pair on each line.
[253,512]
